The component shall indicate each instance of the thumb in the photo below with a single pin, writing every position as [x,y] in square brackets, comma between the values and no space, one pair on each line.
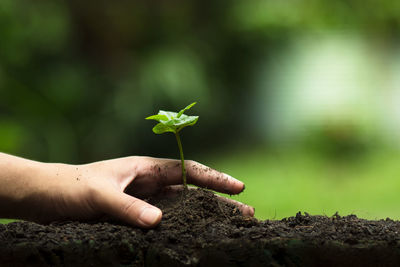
[130,209]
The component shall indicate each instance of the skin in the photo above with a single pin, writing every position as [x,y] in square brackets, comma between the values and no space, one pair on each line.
[45,192]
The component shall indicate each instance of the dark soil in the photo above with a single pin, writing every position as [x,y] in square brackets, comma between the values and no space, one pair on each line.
[200,230]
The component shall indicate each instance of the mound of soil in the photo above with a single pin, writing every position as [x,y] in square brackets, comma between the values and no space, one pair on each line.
[198,229]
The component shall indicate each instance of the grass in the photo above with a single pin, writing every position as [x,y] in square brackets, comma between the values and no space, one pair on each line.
[279,184]
[4,221]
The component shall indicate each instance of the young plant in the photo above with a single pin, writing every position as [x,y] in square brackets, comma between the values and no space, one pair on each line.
[173,122]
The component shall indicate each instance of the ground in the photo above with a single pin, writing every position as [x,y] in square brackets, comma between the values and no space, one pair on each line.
[198,229]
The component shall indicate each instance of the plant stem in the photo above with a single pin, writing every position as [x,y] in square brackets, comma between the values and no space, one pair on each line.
[178,139]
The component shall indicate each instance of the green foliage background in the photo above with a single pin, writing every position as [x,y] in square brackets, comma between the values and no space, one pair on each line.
[78,77]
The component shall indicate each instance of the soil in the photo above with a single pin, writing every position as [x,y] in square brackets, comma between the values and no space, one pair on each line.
[198,229]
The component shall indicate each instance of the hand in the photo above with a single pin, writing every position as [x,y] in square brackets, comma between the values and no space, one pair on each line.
[89,191]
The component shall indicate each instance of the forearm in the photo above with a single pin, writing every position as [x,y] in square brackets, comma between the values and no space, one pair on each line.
[18,183]
[24,187]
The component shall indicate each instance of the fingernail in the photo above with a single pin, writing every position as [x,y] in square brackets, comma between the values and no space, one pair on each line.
[150,216]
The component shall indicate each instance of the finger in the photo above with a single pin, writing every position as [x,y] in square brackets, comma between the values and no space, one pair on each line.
[244,209]
[207,177]
[129,209]
[169,172]
[174,190]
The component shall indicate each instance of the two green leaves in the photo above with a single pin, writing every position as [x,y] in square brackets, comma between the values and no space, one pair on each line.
[171,121]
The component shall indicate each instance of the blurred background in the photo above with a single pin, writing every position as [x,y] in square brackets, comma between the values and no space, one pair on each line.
[299,99]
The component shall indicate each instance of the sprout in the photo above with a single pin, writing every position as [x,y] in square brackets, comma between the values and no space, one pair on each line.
[174,122]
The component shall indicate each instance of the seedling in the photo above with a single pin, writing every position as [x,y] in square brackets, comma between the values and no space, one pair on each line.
[173,122]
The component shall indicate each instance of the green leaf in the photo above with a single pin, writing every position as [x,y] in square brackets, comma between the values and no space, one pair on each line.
[186,120]
[169,114]
[187,107]
[162,128]
[190,122]
[157,117]
[170,121]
